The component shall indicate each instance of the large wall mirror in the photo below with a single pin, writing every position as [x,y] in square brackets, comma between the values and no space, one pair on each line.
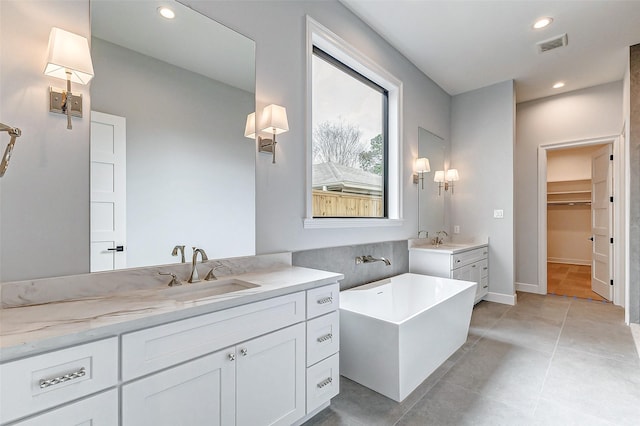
[430,202]
[179,91]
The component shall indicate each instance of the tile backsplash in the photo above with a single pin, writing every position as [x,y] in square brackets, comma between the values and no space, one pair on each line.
[342,260]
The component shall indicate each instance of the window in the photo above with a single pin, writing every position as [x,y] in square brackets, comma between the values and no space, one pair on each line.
[349,116]
[353,136]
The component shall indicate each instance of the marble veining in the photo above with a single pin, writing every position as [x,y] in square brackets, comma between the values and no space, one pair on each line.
[27,330]
[424,244]
[87,286]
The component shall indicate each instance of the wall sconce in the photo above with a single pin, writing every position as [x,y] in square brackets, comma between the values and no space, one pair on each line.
[250,127]
[420,167]
[446,179]
[68,58]
[274,121]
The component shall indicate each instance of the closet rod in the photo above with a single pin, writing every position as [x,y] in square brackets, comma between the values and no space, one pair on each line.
[569,203]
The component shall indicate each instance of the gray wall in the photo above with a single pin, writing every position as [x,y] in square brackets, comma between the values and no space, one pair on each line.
[278,27]
[51,168]
[190,170]
[577,115]
[634,202]
[45,192]
[342,260]
[482,149]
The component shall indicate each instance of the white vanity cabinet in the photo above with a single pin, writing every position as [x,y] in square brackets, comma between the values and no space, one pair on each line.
[469,263]
[267,362]
[259,382]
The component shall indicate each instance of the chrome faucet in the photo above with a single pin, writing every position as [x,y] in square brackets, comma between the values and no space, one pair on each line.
[175,252]
[371,259]
[439,239]
[210,275]
[194,271]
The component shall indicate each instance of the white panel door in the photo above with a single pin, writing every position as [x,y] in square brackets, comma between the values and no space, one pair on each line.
[601,222]
[271,378]
[108,192]
[199,392]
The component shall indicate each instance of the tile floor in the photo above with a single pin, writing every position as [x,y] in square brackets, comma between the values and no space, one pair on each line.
[549,360]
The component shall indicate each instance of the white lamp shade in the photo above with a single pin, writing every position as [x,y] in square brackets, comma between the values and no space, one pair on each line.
[452,175]
[68,52]
[250,127]
[274,119]
[439,176]
[422,165]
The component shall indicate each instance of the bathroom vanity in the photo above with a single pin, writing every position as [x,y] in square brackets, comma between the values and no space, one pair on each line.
[267,354]
[468,262]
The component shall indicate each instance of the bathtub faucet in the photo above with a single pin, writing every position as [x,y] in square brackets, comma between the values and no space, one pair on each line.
[371,259]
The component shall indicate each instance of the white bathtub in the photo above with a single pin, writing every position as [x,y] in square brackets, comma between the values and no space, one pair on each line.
[394,333]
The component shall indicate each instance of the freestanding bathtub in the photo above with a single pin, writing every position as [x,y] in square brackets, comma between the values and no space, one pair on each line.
[394,333]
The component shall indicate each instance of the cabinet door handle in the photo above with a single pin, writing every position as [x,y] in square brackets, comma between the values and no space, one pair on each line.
[244,351]
[473,266]
[458,261]
[232,357]
[485,286]
[324,338]
[325,382]
[45,383]
[324,300]
[485,268]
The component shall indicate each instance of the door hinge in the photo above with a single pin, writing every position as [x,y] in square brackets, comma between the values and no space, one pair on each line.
[611,157]
[611,282]
[611,240]
[611,199]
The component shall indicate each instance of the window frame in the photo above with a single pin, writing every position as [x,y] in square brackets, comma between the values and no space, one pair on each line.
[351,58]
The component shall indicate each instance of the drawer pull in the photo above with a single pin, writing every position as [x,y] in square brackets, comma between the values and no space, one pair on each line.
[45,383]
[324,338]
[485,268]
[484,252]
[485,286]
[458,261]
[473,266]
[325,382]
[325,300]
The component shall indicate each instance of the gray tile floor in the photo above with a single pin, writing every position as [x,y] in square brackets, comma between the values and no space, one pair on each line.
[549,360]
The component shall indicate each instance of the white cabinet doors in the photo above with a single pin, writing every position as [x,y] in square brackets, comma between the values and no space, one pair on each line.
[271,378]
[199,392]
[473,273]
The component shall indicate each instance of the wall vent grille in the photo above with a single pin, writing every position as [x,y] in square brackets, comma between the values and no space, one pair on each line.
[553,43]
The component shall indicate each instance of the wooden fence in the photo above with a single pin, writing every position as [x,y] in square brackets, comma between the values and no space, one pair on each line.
[339,204]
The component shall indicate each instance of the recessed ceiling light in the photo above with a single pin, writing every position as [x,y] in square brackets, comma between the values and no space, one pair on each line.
[165,12]
[542,22]
[558,85]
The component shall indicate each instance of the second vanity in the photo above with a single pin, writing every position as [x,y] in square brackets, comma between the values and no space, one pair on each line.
[468,262]
[267,354]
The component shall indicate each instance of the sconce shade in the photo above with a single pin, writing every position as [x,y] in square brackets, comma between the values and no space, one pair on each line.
[68,52]
[274,119]
[452,175]
[439,176]
[250,127]
[422,165]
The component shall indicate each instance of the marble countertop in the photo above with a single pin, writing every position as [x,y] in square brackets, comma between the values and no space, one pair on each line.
[33,329]
[448,248]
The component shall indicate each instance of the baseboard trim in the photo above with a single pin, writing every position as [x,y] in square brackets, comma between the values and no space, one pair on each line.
[505,299]
[528,288]
[569,261]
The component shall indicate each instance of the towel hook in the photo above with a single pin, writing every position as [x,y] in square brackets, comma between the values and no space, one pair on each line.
[14,132]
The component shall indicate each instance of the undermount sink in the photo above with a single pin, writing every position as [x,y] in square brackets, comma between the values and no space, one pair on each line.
[205,289]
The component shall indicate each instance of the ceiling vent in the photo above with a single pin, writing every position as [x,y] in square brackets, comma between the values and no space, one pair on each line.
[553,43]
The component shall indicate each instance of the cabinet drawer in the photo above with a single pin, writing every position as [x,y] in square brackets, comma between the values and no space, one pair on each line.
[323,382]
[484,268]
[467,257]
[99,410]
[323,337]
[322,300]
[43,381]
[159,347]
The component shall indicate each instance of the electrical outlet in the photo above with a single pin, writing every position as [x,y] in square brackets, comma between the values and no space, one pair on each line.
[456,229]
[498,214]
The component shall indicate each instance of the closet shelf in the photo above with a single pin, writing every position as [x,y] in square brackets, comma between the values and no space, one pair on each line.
[569,203]
[568,192]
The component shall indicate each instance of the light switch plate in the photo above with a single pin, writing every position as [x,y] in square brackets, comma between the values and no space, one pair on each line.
[498,214]
[456,229]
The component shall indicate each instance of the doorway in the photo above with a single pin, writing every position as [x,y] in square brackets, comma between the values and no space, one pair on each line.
[576,264]
[616,225]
